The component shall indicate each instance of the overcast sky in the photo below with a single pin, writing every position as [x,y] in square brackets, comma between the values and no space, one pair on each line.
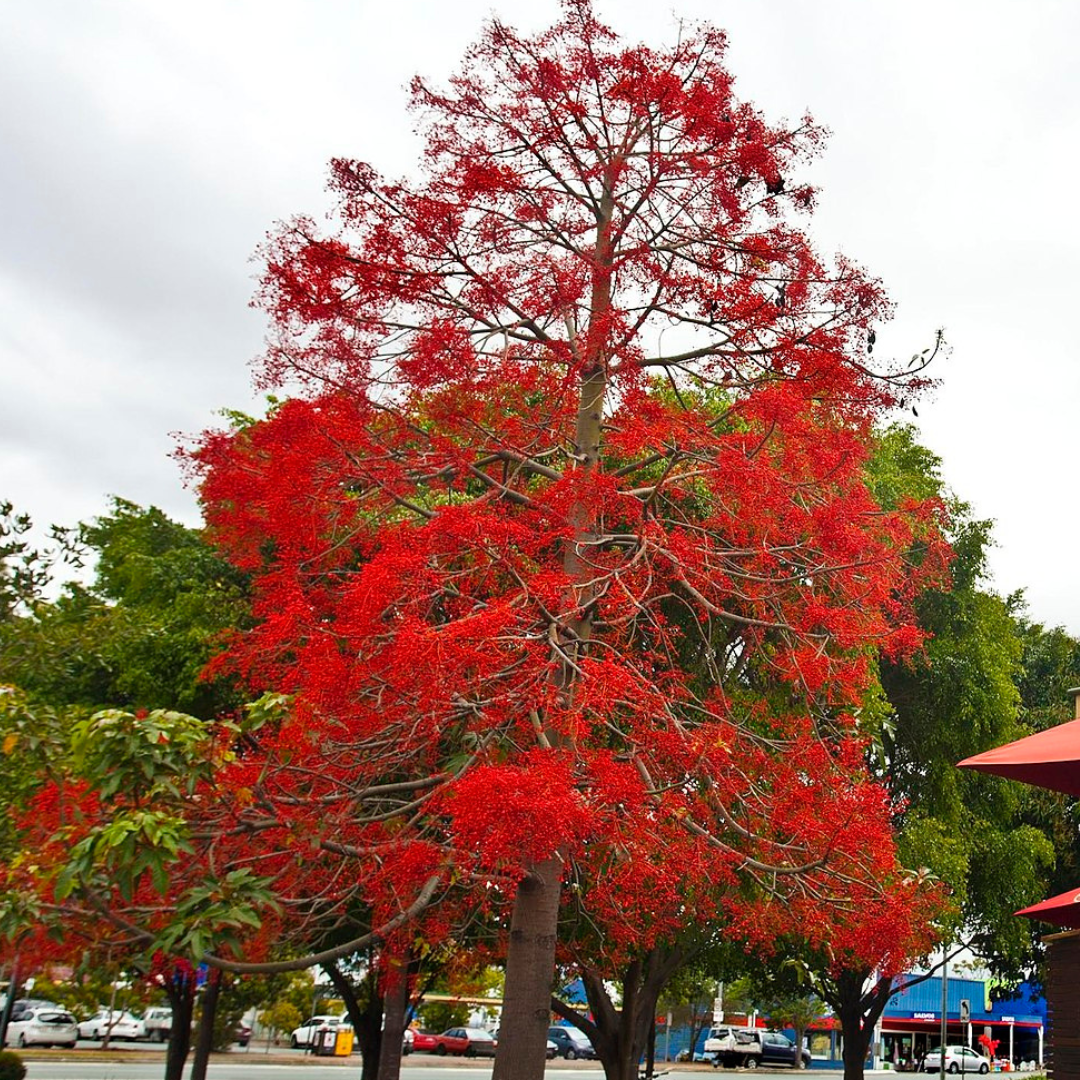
[146,147]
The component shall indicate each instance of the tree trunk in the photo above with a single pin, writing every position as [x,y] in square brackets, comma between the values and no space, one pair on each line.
[180,991]
[205,1042]
[800,1038]
[621,1036]
[395,1005]
[530,966]
[9,1001]
[859,1011]
[366,1019]
[856,1044]
[530,958]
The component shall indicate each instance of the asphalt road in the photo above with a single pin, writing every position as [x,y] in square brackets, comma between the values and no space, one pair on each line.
[249,1067]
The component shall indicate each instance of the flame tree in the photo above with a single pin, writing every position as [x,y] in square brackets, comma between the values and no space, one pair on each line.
[567,535]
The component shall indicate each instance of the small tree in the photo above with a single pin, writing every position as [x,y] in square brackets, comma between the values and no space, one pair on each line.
[281,1018]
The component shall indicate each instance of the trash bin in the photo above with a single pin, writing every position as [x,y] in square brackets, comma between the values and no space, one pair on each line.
[343,1041]
[325,1041]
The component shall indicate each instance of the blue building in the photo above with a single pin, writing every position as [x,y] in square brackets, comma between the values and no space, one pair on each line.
[911,1023]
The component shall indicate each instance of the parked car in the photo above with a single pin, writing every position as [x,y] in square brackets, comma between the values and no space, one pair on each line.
[43,1026]
[570,1042]
[106,1023]
[958,1059]
[470,1042]
[778,1049]
[416,1041]
[242,1033]
[304,1035]
[552,1049]
[24,1005]
[157,1023]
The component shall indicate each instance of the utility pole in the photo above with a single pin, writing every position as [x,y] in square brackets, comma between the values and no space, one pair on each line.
[944,1007]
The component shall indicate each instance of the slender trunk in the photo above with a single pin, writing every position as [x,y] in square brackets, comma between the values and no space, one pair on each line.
[800,1037]
[112,1013]
[395,1005]
[181,994]
[530,968]
[205,1042]
[366,1018]
[650,1051]
[9,1001]
[530,959]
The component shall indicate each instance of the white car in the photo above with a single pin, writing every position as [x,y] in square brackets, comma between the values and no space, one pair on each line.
[958,1059]
[304,1035]
[43,1027]
[107,1024]
[157,1023]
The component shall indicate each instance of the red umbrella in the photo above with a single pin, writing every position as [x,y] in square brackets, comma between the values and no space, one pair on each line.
[1063,909]
[1049,759]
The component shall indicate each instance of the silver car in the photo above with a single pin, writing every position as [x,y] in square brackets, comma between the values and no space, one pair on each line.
[107,1024]
[43,1027]
[958,1059]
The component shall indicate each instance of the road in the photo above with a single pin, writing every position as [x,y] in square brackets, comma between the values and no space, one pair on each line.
[244,1068]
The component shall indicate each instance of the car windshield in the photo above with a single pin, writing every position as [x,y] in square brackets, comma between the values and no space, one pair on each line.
[479,1035]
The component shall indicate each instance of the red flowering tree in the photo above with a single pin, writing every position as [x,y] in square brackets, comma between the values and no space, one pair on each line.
[568,538]
[562,552]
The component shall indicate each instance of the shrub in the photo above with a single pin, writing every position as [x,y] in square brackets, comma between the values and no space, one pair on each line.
[11,1066]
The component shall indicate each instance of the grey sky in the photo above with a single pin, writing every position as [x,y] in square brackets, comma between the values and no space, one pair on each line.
[145,148]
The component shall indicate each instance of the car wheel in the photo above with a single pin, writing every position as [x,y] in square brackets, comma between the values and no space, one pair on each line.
[750,1061]
[21,1041]
[440,1050]
[69,1046]
[294,1043]
[571,1053]
[984,1068]
[954,1068]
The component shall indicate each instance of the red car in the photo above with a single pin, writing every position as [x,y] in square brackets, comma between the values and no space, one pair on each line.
[419,1040]
[469,1042]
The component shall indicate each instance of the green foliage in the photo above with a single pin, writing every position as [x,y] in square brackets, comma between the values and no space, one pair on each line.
[441,1015]
[1051,668]
[962,695]
[901,468]
[25,570]
[214,914]
[11,1066]
[281,1017]
[140,635]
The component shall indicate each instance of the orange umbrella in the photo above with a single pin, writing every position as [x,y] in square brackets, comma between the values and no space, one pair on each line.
[1048,759]
[1062,910]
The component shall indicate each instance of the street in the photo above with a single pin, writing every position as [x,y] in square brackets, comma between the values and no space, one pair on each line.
[244,1068]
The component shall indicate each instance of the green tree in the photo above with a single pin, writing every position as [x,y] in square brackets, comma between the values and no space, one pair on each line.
[1050,670]
[281,1017]
[140,634]
[957,697]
